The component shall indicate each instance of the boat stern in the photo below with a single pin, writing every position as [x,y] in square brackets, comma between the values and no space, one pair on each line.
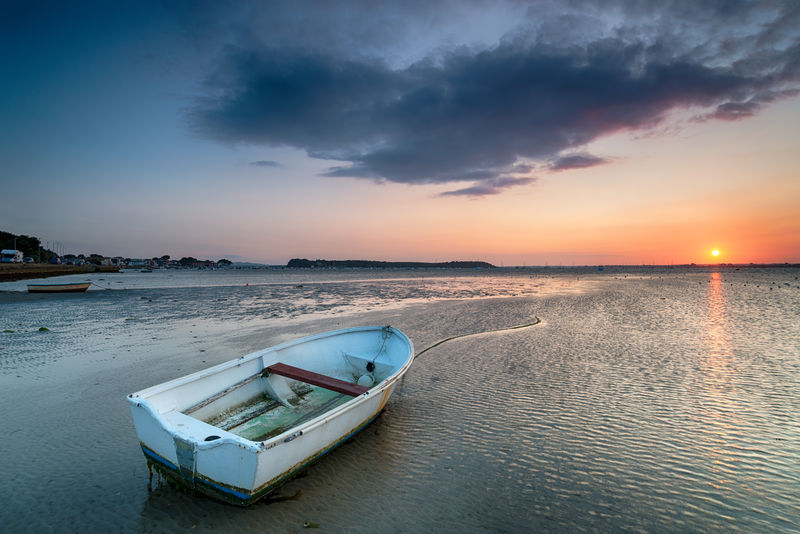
[196,455]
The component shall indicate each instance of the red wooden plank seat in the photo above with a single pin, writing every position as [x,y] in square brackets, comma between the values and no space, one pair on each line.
[316,379]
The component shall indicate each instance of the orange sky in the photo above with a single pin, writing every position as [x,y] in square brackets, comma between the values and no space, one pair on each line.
[100,153]
[663,199]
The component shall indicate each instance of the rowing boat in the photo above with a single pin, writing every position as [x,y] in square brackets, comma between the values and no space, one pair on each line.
[59,288]
[238,430]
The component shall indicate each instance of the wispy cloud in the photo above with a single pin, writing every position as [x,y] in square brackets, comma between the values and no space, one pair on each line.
[731,111]
[265,163]
[576,161]
[492,186]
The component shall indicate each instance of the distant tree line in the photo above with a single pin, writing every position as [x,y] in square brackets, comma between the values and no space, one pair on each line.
[298,263]
[189,261]
[30,246]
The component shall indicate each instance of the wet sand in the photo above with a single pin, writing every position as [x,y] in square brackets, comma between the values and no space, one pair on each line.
[77,464]
[640,405]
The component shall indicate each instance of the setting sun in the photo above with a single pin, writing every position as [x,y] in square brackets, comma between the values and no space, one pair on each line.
[715,252]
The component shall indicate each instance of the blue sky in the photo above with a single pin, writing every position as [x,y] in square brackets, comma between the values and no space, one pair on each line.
[513,132]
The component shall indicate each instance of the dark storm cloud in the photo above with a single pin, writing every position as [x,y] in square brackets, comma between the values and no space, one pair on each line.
[472,114]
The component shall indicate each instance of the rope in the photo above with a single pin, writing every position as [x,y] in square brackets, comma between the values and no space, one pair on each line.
[386,334]
[101,285]
[420,353]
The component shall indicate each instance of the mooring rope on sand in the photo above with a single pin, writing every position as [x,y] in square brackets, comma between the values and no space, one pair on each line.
[517,327]
[103,286]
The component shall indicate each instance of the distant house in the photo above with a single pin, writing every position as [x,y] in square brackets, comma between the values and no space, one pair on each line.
[11,256]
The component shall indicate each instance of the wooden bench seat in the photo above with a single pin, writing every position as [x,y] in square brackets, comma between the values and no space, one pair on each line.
[316,379]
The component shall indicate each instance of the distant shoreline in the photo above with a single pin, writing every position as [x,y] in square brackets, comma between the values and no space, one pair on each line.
[297,263]
[11,272]
[376,264]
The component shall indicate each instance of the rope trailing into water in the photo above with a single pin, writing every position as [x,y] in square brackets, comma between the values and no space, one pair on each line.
[517,327]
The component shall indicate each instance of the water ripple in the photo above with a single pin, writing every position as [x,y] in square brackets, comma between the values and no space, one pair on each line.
[639,404]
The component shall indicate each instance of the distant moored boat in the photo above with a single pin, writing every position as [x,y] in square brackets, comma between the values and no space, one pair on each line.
[59,288]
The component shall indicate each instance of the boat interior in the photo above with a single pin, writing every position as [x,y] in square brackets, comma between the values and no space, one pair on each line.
[281,397]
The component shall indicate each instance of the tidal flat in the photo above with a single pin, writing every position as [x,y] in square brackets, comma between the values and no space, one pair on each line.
[643,401]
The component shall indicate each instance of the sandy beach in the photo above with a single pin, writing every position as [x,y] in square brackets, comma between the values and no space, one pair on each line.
[643,402]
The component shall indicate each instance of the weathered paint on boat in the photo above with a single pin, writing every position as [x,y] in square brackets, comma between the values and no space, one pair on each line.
[59,288]
[171,419]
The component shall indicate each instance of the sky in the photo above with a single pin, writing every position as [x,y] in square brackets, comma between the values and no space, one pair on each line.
[519,133]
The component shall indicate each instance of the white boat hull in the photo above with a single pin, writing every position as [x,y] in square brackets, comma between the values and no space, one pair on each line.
[239,470]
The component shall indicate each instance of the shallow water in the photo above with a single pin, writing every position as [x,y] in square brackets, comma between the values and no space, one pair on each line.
[644,401]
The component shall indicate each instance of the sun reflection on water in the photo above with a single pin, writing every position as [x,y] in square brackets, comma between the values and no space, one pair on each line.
[720,390]
[717,321]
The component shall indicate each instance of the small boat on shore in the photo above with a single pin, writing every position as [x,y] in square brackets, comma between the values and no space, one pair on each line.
[59,288]
[238,430]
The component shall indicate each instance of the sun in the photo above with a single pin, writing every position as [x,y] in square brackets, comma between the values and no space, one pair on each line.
[715,252]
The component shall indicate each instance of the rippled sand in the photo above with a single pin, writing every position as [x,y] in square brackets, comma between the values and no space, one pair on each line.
[642,403]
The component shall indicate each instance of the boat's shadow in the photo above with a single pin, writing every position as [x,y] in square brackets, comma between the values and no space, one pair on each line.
[168,503]
[172,506]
